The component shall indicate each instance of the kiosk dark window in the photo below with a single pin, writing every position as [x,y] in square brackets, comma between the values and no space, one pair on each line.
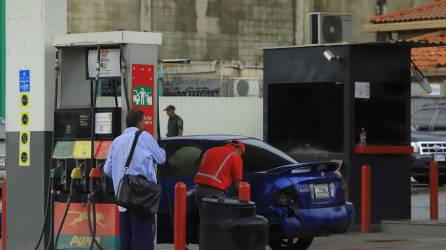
[381,115]
[306,118]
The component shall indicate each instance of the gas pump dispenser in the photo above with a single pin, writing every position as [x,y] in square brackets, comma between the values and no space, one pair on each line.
[99,77]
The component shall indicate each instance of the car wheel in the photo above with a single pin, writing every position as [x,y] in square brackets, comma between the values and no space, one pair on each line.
[291,244]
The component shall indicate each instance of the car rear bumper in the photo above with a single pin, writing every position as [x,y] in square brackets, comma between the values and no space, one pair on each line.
[319,221]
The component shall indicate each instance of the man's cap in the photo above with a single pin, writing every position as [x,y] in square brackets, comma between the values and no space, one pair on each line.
[170,108]
[239,145]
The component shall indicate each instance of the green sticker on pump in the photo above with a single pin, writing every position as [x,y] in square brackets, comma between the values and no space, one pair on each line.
[142,96]
[63,150]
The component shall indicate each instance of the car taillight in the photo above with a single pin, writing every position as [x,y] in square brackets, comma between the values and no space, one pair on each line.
[332,190]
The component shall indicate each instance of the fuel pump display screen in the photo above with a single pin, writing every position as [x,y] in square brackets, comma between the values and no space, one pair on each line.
[76,123]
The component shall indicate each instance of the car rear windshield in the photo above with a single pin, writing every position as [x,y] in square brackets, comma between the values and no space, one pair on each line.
[262,157]
[440,123]
[422,119]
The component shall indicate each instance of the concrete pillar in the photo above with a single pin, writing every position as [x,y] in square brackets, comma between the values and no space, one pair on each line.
[146,15]
[30,28]
[301,10]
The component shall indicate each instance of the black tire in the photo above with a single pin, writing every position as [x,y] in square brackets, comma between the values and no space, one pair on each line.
[295,244]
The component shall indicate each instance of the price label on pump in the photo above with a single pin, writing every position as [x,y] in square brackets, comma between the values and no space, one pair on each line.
[143,85]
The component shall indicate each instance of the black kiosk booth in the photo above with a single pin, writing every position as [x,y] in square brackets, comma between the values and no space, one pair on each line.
[318,99]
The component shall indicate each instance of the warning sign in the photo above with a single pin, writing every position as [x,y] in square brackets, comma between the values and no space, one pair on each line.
[24,138]
[24,100]
[24,119]
[24,158]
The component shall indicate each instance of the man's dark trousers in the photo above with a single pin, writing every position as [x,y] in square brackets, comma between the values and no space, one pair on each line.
[137,231]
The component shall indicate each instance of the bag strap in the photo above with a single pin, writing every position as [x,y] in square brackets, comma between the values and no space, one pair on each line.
[132,150]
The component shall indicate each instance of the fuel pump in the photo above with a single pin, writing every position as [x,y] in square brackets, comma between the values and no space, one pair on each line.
[100,76]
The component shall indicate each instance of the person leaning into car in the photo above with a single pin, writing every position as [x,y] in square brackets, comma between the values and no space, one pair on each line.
[220,168]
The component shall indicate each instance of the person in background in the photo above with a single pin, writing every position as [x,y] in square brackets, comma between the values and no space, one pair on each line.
[137,231]
[220,169]
[175,124]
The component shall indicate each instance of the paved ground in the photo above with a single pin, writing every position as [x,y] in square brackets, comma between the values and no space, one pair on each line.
[358,241]
[420,203]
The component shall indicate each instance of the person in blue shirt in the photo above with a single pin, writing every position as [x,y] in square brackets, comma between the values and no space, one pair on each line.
[137,231]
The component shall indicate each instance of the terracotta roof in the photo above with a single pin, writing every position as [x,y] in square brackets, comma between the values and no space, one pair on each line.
[429,11]
[430,57]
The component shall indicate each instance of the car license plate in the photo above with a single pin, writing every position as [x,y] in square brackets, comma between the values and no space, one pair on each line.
[440,157]
[321,191]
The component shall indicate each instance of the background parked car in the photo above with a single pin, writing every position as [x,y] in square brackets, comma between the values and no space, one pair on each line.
[428,138]
[300,200]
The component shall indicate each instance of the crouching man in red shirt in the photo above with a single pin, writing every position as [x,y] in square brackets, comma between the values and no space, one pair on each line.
[220,168]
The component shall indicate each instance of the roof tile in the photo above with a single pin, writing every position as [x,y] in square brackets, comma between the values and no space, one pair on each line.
[429,11]
[430,57]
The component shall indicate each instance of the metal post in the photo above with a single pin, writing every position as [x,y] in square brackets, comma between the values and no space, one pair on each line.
[433,187]
[365,199]
[244,191]
[180,217]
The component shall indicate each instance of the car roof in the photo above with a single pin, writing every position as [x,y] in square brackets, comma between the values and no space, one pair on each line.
[208,137]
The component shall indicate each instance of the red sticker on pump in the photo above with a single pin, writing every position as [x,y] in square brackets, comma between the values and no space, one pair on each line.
[143,83]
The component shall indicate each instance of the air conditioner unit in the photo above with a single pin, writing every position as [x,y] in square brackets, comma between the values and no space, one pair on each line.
[328,27]
[244,87]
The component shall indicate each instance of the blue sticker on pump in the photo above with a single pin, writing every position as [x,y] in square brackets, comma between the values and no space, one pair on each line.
[24,75]
[24,80]
[24,87]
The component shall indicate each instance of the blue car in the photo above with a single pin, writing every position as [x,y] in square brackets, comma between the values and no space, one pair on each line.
[300,200]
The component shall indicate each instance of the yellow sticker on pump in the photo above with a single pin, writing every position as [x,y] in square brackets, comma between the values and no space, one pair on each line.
[24,138]
[24,100]
[24,158]
[82,150]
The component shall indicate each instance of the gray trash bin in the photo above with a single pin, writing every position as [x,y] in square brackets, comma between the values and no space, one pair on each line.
[229,224]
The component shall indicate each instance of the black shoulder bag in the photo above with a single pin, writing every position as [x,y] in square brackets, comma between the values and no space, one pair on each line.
[135,192]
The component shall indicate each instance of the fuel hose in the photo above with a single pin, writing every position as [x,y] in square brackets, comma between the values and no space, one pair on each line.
[67,208]
[92,228]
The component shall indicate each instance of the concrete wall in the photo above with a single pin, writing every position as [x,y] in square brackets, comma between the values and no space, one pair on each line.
[103,15]
[220,30]
[215,29]
[217,115]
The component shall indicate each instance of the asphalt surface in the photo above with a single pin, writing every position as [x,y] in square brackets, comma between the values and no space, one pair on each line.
[420,204]
[358,241]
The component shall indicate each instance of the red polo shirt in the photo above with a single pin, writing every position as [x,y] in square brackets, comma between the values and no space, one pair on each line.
[220,167]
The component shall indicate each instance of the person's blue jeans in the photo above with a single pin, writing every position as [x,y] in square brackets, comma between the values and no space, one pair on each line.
[137,231]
